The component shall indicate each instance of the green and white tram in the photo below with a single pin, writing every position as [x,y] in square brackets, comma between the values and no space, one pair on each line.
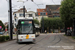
[26,30]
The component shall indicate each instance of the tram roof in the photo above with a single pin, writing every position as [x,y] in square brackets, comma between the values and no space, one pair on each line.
[25,18]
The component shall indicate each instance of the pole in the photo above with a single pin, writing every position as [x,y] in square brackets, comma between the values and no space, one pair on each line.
[24,11]
[10,20]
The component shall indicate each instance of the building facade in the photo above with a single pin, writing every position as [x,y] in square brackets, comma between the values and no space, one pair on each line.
[53,10]
[19,14]
[41,13]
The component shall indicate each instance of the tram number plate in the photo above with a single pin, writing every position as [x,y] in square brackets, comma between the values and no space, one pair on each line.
[27,36]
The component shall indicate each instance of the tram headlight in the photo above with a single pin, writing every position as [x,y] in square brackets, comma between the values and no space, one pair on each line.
[32,36]
[21,36]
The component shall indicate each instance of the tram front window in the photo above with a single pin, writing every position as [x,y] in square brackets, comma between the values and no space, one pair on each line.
[26,27]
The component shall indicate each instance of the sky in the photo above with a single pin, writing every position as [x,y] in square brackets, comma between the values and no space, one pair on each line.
[29,5]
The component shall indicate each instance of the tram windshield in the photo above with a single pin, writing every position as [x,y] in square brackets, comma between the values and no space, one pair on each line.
[26,27]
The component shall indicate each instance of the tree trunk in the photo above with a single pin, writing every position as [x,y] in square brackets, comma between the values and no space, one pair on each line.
[65,29]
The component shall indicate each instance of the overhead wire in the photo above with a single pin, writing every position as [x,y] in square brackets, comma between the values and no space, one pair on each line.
[36,4]
[53,1]
[17,5]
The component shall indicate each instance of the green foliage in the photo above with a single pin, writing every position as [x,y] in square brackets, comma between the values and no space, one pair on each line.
[1,24]
[73,37]
[4,38]
[8,26]
[36,21]
[67,12]
[7,37]
[53,23]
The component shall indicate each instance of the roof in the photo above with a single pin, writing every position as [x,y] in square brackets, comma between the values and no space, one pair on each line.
[30,12]
[41,10]
[20,10]
[53,7]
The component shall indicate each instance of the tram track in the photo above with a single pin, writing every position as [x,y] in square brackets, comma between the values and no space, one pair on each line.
[17,45]
[28,44]
[22,47]
[41,42]
[52,41]
[37,42]
[48,42]
[58,40]
[8,45]
[46,37]
[55,42]
[44,44]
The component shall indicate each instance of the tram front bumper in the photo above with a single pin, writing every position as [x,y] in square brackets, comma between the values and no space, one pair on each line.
[26,40]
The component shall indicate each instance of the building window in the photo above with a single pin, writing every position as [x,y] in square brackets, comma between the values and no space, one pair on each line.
[30,15]
[21,15]
[54,12]
[15,25]
[42,13]
[15,15]
[54,16]
[58,16]
[57,12]
[15,19]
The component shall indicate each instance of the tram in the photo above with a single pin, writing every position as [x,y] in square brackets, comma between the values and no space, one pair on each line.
[26,31]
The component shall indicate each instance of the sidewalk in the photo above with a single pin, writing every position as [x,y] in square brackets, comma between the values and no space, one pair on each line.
[70,38]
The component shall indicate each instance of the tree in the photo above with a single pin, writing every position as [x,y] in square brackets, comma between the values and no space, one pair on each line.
[1,24]
[52,23]
[67,12]
[36,21]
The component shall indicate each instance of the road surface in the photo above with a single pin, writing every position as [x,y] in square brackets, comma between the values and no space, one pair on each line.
[43,42]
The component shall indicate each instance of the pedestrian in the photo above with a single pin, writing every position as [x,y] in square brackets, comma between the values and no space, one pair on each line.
[45,31]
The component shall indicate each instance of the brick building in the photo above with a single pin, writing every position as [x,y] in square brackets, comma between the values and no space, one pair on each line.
[53,10]
[41,13]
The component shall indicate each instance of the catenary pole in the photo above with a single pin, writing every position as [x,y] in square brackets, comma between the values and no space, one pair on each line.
[10,19]
[24,10]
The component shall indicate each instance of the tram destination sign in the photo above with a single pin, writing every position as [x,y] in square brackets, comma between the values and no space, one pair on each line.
[23,22]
